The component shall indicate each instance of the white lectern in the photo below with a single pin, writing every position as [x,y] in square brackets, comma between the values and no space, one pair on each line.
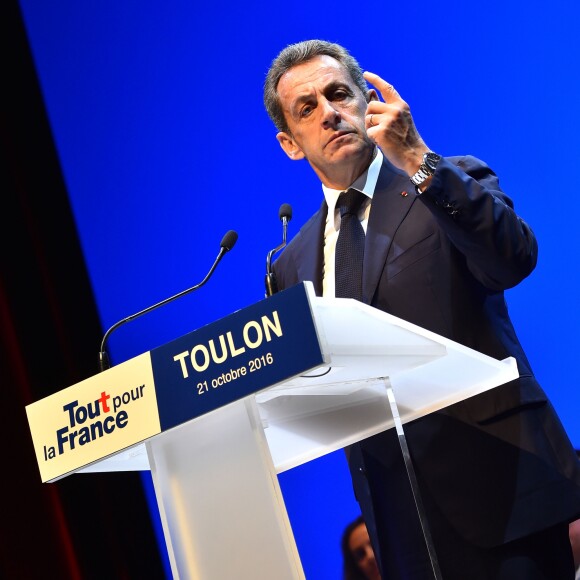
[216,414]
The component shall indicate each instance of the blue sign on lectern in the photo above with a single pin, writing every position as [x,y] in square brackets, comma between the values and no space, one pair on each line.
[247,351]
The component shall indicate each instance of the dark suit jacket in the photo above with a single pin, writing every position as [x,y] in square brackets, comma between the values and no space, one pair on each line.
[499,465]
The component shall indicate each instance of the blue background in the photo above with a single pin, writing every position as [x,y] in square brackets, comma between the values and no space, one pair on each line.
[156,111]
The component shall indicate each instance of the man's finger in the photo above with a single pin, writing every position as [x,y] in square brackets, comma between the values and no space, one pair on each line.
[387,90]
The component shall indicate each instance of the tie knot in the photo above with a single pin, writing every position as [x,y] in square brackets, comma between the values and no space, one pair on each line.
[350,201]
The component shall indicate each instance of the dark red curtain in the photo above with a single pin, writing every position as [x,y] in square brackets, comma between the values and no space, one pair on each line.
[83,526]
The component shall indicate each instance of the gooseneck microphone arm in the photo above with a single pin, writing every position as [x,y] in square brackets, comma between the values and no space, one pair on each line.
[285,215]
[227,243]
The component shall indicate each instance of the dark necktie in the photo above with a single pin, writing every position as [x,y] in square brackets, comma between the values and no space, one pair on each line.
[350,246]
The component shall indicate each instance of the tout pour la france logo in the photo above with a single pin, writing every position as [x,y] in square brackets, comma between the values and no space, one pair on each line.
[84,423]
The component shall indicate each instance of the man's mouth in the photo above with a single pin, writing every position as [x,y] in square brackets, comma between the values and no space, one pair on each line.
[337,135]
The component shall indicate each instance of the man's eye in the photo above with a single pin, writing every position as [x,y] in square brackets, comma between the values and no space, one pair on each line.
[305,111]
[340,95]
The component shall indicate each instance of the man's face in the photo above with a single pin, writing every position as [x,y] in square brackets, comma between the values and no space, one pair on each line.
[325,113]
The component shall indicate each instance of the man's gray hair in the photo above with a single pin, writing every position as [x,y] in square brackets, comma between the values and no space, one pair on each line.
[298,53]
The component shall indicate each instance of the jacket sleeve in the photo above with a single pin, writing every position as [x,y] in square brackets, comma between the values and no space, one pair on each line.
[465,198]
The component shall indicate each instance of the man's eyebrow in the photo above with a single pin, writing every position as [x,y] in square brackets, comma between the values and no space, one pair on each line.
[336,85]
[302,98]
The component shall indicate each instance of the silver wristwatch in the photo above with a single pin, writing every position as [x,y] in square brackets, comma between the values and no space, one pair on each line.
[426,170]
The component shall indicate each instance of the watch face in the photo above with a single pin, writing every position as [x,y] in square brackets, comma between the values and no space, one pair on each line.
[431,160]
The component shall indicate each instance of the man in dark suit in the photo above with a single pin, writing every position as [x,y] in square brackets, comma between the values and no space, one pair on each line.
[497,474]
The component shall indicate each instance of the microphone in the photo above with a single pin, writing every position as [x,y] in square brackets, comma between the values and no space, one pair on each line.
[227,243]
[285,215]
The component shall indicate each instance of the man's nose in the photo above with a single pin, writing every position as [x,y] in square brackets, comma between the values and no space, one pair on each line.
[330,114]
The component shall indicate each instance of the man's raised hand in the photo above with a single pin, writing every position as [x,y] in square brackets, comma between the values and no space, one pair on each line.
[390,125]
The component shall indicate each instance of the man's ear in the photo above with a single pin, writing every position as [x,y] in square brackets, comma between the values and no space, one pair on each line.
[289,145]
[372,95]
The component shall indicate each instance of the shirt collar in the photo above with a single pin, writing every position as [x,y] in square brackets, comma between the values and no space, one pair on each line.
[365,183]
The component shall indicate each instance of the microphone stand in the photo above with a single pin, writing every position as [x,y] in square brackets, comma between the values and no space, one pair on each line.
[226,245]
[285,215]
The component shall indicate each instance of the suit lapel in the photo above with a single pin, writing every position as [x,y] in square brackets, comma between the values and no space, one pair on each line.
[388,209]
[312,236]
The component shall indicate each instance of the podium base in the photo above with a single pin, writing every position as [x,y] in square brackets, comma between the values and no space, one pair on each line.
[221,507]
